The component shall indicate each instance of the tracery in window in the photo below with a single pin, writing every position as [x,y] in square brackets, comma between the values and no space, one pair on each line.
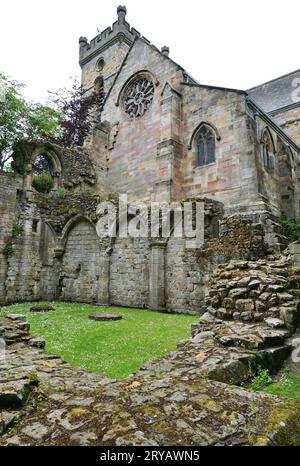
[205,146]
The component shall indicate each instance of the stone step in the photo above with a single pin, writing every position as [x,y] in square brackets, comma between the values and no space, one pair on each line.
[15,337]
[13,394]
[256,340]
[273,358]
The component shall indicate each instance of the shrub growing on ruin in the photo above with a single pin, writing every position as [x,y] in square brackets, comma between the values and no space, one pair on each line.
[291,228]
[43,183]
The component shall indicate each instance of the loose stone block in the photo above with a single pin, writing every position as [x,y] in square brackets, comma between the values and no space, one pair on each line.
[238,293]
[37,342]
[105,317]
[260,306]
[244,305]
[42,309]
[228,303]
[254,284]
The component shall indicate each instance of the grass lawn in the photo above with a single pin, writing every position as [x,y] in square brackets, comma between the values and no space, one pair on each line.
[288,386]
[114,348]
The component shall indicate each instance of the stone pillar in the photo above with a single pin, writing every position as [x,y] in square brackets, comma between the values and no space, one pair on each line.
[157,298]
[103,298]
[169,148]
[295,252]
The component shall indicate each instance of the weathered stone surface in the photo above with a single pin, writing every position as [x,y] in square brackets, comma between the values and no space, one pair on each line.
[13,394]
[238,293]
[105,317]
[42,309]
[276,323]
[37,342]
[7,419]
[35,431]
[244,305]
[14,317]
[169,402]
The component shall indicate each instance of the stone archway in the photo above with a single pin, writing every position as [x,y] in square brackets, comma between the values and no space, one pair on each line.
[80,263]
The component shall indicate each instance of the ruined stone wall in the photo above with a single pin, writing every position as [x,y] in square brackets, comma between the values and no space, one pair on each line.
[58,255]
[80,264]
[129,273]
[185,278]
[25,263]
[34,270]
[188,270]
[250,291]
[9,185]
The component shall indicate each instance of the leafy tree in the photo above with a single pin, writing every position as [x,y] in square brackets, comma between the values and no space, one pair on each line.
[78,111]
[66,121]
[22,120]
[42,165]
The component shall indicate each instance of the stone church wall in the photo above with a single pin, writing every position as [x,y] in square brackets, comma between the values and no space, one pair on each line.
[232,178]
[278,186]
[132,158]
[289,120]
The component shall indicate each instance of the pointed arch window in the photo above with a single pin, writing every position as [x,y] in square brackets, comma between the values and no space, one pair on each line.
[205,146]
[268,150]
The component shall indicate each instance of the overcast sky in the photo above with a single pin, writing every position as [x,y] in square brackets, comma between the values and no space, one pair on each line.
[227,43]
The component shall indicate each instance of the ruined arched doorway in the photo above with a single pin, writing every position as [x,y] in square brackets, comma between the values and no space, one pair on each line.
[80,263]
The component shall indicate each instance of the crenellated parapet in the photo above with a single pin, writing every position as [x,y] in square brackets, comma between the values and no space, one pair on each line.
[119,31]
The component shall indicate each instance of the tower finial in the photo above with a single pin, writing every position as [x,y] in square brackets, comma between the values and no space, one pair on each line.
[165,50]
[122,11]
[82,42]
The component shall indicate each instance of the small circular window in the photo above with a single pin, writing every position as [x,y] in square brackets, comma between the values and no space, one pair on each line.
[138,97]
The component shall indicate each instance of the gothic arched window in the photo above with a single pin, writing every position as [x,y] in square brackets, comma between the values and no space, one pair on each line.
[205,146]
[268,150]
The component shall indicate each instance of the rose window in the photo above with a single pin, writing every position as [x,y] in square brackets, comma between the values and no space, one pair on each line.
[138,97]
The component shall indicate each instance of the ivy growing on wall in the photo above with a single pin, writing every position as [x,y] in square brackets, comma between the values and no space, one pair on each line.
[8,250]
[17,231]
